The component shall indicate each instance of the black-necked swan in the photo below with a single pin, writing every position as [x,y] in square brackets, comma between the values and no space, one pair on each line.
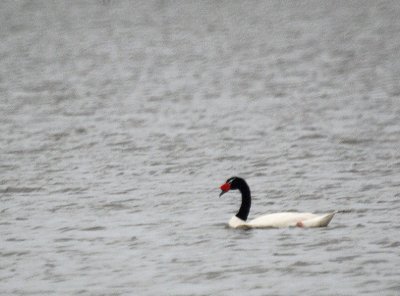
[276,220]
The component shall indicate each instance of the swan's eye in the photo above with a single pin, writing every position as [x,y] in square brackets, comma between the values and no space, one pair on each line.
[230,181]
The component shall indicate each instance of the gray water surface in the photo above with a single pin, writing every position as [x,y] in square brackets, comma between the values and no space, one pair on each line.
[119,120]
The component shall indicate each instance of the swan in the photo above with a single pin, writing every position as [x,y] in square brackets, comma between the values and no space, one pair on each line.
[276,220]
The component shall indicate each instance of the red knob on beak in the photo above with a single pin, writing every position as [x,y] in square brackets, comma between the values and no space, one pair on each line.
[225,188]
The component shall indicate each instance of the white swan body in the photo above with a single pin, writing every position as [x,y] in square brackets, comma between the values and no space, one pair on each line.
[276,220]
[285,219]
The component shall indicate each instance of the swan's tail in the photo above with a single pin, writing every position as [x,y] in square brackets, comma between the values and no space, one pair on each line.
[320,221]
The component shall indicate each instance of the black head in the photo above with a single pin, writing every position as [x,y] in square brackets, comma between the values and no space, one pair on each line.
[240,184]
[233,183]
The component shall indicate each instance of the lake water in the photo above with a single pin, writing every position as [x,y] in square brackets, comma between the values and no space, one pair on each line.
[120,120]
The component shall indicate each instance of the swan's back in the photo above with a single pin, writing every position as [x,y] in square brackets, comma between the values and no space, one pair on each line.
[287,219]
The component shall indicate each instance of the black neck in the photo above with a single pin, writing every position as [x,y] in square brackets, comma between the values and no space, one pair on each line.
[246,200]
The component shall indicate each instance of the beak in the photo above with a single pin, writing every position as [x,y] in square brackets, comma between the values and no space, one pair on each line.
[225,188]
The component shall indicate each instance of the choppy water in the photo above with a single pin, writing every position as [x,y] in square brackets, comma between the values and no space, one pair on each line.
[119,120]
